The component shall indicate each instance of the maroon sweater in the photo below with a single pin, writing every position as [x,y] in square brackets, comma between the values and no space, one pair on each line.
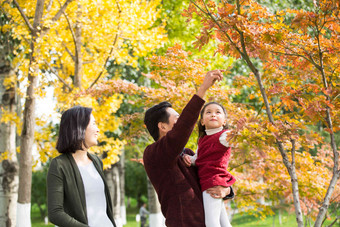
[177,186]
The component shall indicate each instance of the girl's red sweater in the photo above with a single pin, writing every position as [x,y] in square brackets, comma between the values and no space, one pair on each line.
[212,162]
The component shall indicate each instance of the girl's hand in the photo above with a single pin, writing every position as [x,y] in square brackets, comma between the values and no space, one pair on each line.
[187,160]
[219,192]
[209,80]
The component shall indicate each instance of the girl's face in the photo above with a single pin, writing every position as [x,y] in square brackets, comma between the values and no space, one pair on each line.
[213,117]
[91,133]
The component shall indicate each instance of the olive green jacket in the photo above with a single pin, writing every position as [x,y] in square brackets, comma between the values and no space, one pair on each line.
[66,194]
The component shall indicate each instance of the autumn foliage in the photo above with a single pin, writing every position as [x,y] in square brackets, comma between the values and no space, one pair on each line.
[293,59]
[72,53]
[261,175]
[285,125]
[297,80]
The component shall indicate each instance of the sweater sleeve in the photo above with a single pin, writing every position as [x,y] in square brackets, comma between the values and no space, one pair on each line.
[175,140]
[223,139]
[55,199]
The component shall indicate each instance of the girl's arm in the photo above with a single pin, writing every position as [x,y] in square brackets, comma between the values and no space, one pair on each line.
[224,139]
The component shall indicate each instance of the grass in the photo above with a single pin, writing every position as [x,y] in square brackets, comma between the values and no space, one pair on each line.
[249,220]
[239,220]
[36,219]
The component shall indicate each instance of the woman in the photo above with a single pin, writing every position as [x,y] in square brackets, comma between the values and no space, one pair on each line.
[77,193]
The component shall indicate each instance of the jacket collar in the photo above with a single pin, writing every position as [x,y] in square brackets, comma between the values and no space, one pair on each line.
[79,183]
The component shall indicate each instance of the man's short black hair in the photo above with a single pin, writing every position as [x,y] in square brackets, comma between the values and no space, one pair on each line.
[73,124]
[154,115]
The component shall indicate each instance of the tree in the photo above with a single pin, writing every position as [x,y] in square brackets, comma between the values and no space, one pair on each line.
[27,134]
[247,30]
[8,124]
[73,54]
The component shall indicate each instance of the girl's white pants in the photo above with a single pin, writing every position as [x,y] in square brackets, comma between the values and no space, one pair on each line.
[215,212]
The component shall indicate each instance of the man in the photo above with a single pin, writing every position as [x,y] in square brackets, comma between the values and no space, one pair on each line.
[176,184]
[143,212]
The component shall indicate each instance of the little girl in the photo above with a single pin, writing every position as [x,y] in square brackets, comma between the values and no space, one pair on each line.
[212,159]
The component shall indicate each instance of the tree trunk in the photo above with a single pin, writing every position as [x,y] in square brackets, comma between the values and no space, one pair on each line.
[113,181]
[280,217]
[336,170]
[121,166]
[27,136]
[25,157]
[8,165]
[8,161]
[289,165]
[156,217]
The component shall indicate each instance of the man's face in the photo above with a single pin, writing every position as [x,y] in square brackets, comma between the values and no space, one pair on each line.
[173,116]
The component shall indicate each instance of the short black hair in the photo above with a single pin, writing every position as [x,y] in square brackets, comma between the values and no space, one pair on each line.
[201,128]
[73,124]
[154,115]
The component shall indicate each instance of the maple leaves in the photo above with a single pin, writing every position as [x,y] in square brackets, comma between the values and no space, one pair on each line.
[297,79]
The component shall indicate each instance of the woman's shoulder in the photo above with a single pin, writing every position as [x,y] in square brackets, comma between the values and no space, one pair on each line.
[61,157]
[62,160]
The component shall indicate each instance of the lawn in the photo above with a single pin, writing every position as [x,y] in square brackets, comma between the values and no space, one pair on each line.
[239,220]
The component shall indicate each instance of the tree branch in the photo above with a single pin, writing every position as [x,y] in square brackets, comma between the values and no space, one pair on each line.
[55,73]
[335,220]
[24,16]
[69,52]
[111,51]
[220,26]
[73,36]
[57,15]
[293,151]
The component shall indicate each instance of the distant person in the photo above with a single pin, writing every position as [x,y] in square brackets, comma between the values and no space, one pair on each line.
[212,161]
[143,213]
[176,184]
[77,193]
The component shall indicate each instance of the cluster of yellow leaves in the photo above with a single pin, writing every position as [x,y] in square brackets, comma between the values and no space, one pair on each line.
[7,116]
[45,141]
[121,31]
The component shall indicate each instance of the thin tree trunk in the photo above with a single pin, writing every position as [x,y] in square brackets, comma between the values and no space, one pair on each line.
[25,157]
[9,165]
[27,136]
[290,166]
[113,181]
[156,217]
[280,217]
[336,171]
[121,166]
